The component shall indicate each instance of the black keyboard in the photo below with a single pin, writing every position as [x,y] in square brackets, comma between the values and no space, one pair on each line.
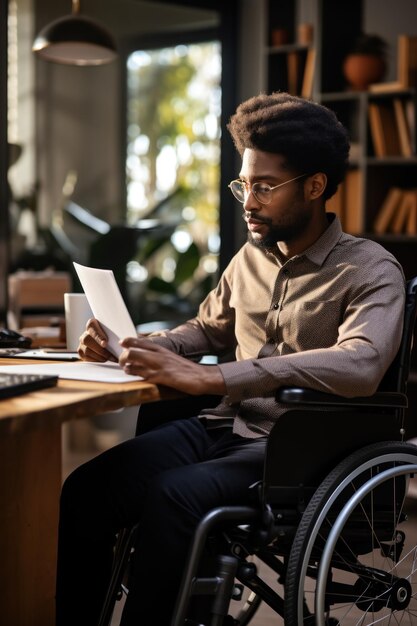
[16,384]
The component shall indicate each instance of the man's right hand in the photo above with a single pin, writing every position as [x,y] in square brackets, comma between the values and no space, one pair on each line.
[93,344]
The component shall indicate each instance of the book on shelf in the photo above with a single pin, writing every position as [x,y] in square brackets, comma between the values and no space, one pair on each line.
[293,71]
[353,213]
[377,131]
[407,60]
[300,64]
[400,217]
[411,224]
[384,130]
[308,77]
[347,202]
[335,204]
[409,213]
[387,210]
[404,134]
[410,115]
[398,212]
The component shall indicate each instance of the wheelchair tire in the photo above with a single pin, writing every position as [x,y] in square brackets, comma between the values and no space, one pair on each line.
[369,576]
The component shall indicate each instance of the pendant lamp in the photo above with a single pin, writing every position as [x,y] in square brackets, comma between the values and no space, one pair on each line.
[75,40]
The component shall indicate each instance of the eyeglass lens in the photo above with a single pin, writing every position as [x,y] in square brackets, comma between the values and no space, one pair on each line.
[261,191]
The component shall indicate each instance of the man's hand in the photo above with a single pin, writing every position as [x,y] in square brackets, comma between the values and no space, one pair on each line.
[142,357]
[93,343]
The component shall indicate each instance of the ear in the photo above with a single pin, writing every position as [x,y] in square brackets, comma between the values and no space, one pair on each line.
[315,185]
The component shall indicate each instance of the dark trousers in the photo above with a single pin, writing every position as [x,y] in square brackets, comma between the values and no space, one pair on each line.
[165,479]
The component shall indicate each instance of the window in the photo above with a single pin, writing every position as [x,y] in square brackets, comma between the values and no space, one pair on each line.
[173,173]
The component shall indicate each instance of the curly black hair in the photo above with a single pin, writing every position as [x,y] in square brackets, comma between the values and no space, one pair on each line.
[307,134]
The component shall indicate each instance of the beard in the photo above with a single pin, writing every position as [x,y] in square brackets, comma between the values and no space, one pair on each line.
[284,232]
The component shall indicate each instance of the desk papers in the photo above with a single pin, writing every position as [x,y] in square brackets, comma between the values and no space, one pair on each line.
[107,305]
[108,372]
[21,353]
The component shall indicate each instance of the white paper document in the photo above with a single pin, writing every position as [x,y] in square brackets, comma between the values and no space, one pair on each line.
[108,372]
[107,305]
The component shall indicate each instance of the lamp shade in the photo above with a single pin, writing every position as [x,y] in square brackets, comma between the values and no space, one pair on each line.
[75,40]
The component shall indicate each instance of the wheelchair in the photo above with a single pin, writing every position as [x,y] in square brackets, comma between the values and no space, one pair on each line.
[334,518]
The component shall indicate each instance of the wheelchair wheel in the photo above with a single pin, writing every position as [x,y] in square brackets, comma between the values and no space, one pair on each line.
[354,556]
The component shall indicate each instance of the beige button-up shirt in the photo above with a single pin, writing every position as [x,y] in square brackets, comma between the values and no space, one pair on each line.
[329,319]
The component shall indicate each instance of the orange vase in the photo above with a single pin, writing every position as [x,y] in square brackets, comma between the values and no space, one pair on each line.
[360,70]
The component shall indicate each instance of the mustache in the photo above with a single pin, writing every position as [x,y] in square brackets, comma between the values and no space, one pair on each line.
[247,215]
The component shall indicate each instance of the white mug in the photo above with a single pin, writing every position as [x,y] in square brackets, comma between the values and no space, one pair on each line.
[77,314]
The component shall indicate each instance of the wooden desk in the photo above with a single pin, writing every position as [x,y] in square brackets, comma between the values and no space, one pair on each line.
[30,484]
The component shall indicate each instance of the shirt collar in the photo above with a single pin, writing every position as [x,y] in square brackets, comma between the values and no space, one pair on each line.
[318,252]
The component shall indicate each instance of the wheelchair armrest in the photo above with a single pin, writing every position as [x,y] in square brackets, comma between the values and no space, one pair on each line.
[299,395]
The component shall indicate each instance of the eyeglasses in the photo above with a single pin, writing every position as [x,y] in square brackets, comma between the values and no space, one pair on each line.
[262,191]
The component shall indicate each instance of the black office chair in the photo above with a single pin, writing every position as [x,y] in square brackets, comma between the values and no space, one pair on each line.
[334,518]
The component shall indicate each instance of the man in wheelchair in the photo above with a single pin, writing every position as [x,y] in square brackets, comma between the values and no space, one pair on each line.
[301,304]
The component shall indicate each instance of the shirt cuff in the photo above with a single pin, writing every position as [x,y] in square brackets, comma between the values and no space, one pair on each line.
[240,378]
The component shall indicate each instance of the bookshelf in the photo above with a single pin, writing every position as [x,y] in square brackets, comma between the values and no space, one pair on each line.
[291,68]
[381,120]
[378,199]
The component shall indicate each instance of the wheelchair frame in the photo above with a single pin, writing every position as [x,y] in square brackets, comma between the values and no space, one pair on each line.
[344,512]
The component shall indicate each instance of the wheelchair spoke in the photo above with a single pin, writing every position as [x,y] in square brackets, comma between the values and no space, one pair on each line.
[369,567]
